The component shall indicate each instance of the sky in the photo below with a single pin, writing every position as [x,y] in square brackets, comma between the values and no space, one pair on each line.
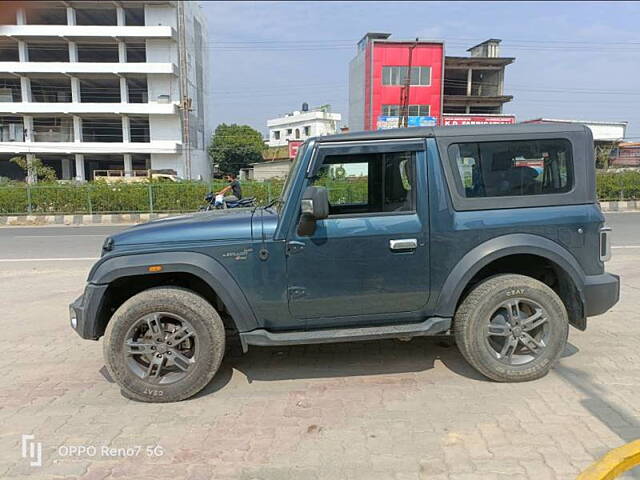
[574,60]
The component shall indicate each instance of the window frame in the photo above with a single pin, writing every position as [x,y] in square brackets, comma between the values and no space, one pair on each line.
[582,190]
[387,80]
[413,145]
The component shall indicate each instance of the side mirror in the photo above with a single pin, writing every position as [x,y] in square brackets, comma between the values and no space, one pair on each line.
[314,206]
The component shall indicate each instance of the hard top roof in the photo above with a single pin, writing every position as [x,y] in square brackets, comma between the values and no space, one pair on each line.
[452,131]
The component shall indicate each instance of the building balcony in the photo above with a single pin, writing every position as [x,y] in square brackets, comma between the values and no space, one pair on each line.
[155,146]
[86,31]
[89,67]
[27,108]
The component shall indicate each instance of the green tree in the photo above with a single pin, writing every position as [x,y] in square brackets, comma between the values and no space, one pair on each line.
[37,169]
[234,147]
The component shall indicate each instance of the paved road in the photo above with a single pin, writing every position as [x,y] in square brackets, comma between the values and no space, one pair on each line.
[373,410]
[30,243]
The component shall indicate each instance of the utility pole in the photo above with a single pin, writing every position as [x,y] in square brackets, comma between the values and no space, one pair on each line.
[404,93]
[185,101]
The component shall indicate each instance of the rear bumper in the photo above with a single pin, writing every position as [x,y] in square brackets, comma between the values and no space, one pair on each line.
[83,312]
[601,292]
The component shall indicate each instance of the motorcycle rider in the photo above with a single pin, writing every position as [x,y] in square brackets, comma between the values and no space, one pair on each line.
[234,188]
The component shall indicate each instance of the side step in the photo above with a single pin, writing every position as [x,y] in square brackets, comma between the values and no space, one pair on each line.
[265,338]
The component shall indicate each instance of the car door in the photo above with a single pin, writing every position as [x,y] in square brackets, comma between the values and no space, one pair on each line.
[370,257]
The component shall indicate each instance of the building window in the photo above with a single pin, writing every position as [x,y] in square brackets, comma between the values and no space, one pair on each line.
[289,131]
[297,133]
[307,131]
[420,76]
[414,110]
[276,134]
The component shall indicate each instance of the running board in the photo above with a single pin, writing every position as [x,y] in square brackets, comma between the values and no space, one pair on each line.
[265,338]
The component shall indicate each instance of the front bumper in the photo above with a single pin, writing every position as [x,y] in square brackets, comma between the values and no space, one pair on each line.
[83,312]
[601,292]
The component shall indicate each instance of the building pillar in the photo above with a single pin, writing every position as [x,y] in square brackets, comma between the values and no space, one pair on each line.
[21,16]
[66,169]
[122,52]
[467,109]
[126,129]
[469,77]
[124,91]
[23,51]
[25,89]
[75,90]
[120,16]
[28,128]
[71,16]
[77,129]
[80,167]
[128,165]
[73,52]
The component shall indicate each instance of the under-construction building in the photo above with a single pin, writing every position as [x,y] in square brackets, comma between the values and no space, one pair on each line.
[88,86]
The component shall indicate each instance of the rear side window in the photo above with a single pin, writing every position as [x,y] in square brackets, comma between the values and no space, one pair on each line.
[512,168]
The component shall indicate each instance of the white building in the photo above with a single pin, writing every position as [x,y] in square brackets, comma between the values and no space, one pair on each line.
[300,125]
[88,85]
[601,131]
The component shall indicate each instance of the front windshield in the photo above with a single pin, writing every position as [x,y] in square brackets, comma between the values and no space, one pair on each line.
[293,172]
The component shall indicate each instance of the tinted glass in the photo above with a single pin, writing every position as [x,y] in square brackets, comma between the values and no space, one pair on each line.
[513,168]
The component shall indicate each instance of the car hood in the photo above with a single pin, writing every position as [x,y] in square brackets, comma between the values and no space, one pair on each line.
[201,226]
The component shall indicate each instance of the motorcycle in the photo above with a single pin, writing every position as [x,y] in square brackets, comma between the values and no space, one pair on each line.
[212,204]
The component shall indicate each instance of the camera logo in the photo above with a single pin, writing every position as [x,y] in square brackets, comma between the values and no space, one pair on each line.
[32,450]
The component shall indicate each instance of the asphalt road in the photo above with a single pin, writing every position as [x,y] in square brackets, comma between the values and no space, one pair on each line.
[83,242]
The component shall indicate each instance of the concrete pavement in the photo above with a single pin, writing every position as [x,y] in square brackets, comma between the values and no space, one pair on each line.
[374,410]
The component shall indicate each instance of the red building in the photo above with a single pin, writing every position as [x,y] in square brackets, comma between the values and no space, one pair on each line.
[439,85]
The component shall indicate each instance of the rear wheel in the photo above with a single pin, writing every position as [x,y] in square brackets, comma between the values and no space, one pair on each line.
[164,345]
[511,328]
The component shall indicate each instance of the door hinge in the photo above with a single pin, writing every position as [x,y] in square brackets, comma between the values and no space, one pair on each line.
[294,247]
[296,292]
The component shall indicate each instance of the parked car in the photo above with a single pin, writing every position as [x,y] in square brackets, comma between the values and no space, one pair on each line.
[453,235]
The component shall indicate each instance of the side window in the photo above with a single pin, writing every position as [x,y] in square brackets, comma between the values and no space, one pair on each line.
[369,182]
[513,168]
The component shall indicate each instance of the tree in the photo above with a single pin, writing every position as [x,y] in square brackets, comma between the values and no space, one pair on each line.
[36,169]
[234,147]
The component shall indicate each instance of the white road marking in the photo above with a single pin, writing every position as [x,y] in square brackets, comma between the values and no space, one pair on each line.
[626,246]
[59,259]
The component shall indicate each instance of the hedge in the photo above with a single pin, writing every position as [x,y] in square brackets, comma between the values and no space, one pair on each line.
[99,197]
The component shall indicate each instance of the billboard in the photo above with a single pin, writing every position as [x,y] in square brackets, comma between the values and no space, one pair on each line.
[294,145]
[385,122]
[449,119]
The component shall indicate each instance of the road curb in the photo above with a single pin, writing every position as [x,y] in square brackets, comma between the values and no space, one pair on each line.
[621,206]
[614,463]
[111,219]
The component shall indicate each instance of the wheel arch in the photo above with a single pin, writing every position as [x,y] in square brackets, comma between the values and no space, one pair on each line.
[127,275]
[479,259]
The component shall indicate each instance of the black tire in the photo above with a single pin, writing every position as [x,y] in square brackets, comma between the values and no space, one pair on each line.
[484,302]
[208,332]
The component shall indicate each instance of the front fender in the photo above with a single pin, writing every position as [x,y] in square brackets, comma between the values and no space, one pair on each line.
[202,266]
[487,252]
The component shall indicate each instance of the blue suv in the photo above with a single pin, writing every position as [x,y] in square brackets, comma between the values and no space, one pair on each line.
[490,234]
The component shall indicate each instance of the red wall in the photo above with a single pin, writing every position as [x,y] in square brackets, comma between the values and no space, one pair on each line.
[397,54]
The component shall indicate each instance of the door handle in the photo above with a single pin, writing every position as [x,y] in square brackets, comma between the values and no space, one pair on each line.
[294,247]
[403,244]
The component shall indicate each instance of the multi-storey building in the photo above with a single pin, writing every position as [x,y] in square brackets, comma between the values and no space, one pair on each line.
[300,125]
[440,87]
[88,86]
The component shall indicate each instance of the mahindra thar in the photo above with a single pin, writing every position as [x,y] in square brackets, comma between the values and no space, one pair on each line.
[490,234]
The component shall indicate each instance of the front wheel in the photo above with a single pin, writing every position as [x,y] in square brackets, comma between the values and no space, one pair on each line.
[511,328]
[164,344]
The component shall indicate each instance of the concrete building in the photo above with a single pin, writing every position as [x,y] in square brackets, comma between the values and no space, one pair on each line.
[88,85]
[300,125]
[441,87]
[603,132]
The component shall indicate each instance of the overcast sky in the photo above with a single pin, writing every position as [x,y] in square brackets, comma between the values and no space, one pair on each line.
[575,60]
